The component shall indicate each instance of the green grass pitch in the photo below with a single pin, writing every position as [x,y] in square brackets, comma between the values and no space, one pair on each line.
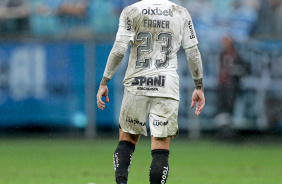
[69,161]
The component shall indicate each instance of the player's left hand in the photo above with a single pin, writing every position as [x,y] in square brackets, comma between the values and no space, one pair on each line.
[103,91]
[199,97]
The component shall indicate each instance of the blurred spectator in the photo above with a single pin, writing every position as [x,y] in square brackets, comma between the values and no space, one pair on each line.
[279,19]
[60,16]
[184,3]
[230,72]
[70,8]
[266,25]
[73,8]
[73,14]
[120,4]
[14,16]
[203,14]
[242,18]
[274,114]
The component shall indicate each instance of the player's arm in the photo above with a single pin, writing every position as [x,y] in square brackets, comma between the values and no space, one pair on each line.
[189,43]
[114,60]
[195,65]
[124,36]
[196,68]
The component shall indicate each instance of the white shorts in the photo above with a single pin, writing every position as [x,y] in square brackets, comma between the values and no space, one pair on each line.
[162,113]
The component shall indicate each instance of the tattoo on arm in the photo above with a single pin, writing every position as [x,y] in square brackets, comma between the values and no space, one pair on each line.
[105,81]
[199,84]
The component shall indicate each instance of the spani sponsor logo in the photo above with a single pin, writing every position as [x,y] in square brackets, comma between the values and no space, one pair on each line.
[157,11]
[159,123]
[191,30]
[158,81]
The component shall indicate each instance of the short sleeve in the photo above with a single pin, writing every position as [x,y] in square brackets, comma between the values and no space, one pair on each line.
[189,38]
[126,25]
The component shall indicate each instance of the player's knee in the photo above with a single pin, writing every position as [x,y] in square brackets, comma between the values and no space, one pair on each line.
[159,167]
[160,143]
[123,136]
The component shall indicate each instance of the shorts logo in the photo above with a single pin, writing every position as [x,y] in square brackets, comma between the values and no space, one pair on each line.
[157,11]
[191,30]
[159,123]
[134,121]
[158,81]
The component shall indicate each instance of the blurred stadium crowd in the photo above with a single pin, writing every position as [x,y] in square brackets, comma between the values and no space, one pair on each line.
[240,43]
[213,19]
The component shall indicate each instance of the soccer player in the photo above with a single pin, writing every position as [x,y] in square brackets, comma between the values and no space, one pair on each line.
[155,29]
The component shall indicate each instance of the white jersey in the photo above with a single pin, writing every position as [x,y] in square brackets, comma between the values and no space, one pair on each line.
[157,29]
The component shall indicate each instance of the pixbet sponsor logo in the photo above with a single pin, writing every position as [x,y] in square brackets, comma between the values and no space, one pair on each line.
[157,11]
[191,30]
[159,123]
[149,81]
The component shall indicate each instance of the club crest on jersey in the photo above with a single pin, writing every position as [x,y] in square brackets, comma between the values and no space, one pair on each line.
[157,11]
[158,81]
[191,30]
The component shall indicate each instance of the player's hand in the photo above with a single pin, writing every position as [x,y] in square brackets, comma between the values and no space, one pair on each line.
[199,97]
[103,91]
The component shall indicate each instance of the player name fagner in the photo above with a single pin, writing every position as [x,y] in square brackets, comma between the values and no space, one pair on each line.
[156,23]
[158,81]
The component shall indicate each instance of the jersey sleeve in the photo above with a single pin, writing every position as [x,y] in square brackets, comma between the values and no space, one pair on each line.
[125,25]
[189,38]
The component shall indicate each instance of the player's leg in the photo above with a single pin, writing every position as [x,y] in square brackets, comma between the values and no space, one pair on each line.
[123,155]
[132,123]
[159,166]
[132,138]
[163,126]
